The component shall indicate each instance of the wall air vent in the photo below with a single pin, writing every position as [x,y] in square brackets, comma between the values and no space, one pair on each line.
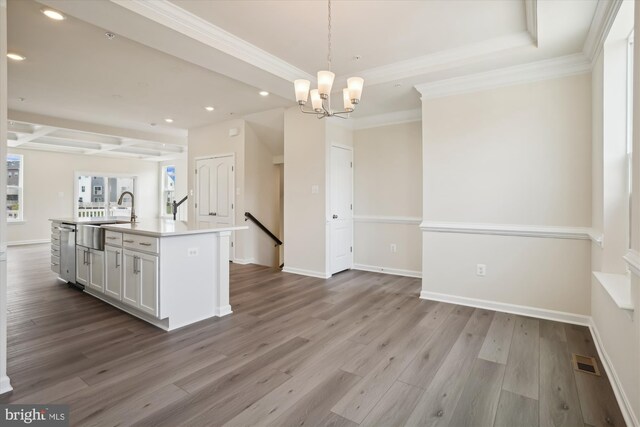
[585,364]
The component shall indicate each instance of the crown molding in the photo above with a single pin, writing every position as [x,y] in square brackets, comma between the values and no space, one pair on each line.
[534,71]
[605,14]
[387,119]
[442,60]
[184,22]
[531,12]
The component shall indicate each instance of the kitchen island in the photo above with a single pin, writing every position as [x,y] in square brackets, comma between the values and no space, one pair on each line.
[165,272]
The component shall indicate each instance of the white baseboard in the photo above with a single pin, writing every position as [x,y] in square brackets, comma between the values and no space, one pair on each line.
[303,272]
[28,242]
[541,313]
[386,270]
[630,417]
[223,311]
[5,385]
[243,261]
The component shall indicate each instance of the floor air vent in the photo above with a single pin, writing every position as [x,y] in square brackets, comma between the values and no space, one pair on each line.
[585,364]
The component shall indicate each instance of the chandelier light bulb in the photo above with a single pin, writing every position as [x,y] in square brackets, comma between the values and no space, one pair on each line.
[316,100]
[355,85]
[325,81]
[348,106]
[302,90]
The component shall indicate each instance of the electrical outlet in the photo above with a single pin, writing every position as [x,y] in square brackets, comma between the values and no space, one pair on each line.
[481,270]
[192,252]
[393,248]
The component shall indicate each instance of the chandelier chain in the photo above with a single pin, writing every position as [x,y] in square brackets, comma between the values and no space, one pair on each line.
[329,39]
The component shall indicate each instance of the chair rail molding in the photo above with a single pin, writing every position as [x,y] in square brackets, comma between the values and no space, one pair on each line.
[552,232]
[380,219]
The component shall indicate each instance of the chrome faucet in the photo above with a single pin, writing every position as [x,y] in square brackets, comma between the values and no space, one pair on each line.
[133,210]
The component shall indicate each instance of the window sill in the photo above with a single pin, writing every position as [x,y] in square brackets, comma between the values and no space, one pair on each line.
[618,286]
[22,221]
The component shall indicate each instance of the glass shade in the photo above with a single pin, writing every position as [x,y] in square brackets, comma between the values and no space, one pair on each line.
[325,81]
[316,101]
[302,90]
[355,88]
[348,106]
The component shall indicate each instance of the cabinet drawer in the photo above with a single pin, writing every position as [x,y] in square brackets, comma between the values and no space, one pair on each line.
[55,260]
[113,238]
[140,243]
[55,268]
[55,250]
[55,239]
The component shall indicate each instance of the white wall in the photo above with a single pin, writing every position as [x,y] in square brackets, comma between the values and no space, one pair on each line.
[305,162]
[388,197]
[48,183]
[511,155]
[262,199]
[618,331]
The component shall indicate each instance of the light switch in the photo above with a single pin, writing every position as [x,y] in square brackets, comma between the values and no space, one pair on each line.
[315,189]
[192,252]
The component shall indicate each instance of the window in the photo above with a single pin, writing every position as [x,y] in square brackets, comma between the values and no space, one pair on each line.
[15,201]
[168,188]
[97,195]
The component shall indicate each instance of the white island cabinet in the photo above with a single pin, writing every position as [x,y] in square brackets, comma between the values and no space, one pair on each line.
[166,272]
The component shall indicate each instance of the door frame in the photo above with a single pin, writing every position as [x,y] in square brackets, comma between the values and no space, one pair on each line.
[329,233]
[232,238]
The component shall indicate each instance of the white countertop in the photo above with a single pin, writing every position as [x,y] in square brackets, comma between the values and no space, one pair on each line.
[165,227]
[95,220]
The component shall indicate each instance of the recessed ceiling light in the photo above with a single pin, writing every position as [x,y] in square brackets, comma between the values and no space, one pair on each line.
[209,108]
[53,14]
[152,124]
[110,36]
[21,99]
[16,57]
[168,120]
[264,93]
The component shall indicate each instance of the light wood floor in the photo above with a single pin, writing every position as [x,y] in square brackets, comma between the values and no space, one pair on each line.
[360,348]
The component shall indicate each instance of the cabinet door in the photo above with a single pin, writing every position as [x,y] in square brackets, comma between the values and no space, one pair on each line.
[148,275]
[96,267]
[82,265]
[113,270]
[130,281]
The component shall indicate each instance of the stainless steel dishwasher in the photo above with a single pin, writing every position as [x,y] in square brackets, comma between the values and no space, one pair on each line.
[68,252]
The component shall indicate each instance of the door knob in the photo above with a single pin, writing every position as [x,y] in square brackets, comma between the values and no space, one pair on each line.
[335,216]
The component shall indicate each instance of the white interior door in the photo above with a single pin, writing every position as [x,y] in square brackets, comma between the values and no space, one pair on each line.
[214,193]
[341,209]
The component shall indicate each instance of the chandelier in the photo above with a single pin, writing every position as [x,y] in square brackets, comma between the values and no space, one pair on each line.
[321,97]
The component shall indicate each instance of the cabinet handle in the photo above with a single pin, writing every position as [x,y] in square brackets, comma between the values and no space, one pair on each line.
[145,244]
[117,259]
[112,238]
[136,269]
[128,241]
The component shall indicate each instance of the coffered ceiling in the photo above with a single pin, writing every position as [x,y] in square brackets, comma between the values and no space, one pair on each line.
[172,58]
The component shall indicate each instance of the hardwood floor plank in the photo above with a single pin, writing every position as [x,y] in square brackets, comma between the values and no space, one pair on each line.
[496,345]
[314,406]
[516,410]
[559,403]
[597,401]
[55,392]
[439,400]
[478,403]
[523,365]
[395,406]
[552,330]
[425,365]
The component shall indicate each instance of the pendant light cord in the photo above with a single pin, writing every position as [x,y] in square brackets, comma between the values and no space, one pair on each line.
[329,39]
